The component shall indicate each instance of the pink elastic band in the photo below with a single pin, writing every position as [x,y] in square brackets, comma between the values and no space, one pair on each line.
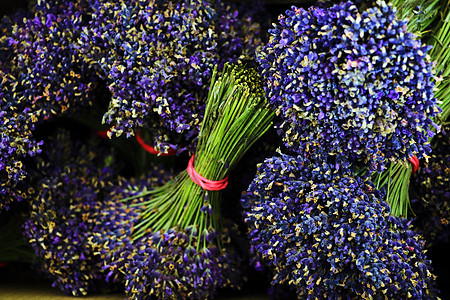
[206,184]
[415,163]
[151,149]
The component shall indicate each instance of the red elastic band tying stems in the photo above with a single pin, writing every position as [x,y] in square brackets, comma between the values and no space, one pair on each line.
[103,134]
[415,162]
[2,264]
[206,184]
[151,149]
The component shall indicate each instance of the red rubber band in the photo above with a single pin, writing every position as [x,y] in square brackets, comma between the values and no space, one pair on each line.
[415,163]
[3,264]
[102,134]
[151,149]
[206,184]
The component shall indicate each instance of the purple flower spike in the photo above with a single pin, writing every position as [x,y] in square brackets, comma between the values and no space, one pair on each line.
[327,234]
[351,84]
[158,58]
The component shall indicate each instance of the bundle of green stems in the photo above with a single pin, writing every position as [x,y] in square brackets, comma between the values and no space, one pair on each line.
[236,116]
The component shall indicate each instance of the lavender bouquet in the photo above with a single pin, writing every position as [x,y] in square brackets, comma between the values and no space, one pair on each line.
[367,101]
[327,233]
[157,59]
[71,179]
[43,76]
[431,26]
[180,247]
[359,100]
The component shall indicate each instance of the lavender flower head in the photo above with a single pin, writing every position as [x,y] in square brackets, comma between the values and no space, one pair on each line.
[43,75]
[167,264]
[16,142]
[117,219]
[355,83]
[71,181]
[326,233]
[181,264]
[157,59]
[430,191]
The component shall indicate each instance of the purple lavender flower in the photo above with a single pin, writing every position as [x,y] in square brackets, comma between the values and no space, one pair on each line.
[71,179]
[178,264]
[157,60]
[326,233]
[430,191]
[351,84]
[172,264]
[113,238]
[43,75]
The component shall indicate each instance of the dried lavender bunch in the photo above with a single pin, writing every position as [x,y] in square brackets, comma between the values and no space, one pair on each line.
[43,75]
[16,140]
[117,218]
[168,265]
[430,192]
[71,180]
[326,233]
[236,115]
[427,21]
[52,77]
[157,58]
[351,84]
[161,263]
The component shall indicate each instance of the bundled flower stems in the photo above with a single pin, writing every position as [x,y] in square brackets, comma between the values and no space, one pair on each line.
[321,227]
[236,115]
[430,21]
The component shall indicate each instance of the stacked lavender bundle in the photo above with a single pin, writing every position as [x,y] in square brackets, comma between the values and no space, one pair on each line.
[351,89]
[72,180]
[355,83]
[328,233]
